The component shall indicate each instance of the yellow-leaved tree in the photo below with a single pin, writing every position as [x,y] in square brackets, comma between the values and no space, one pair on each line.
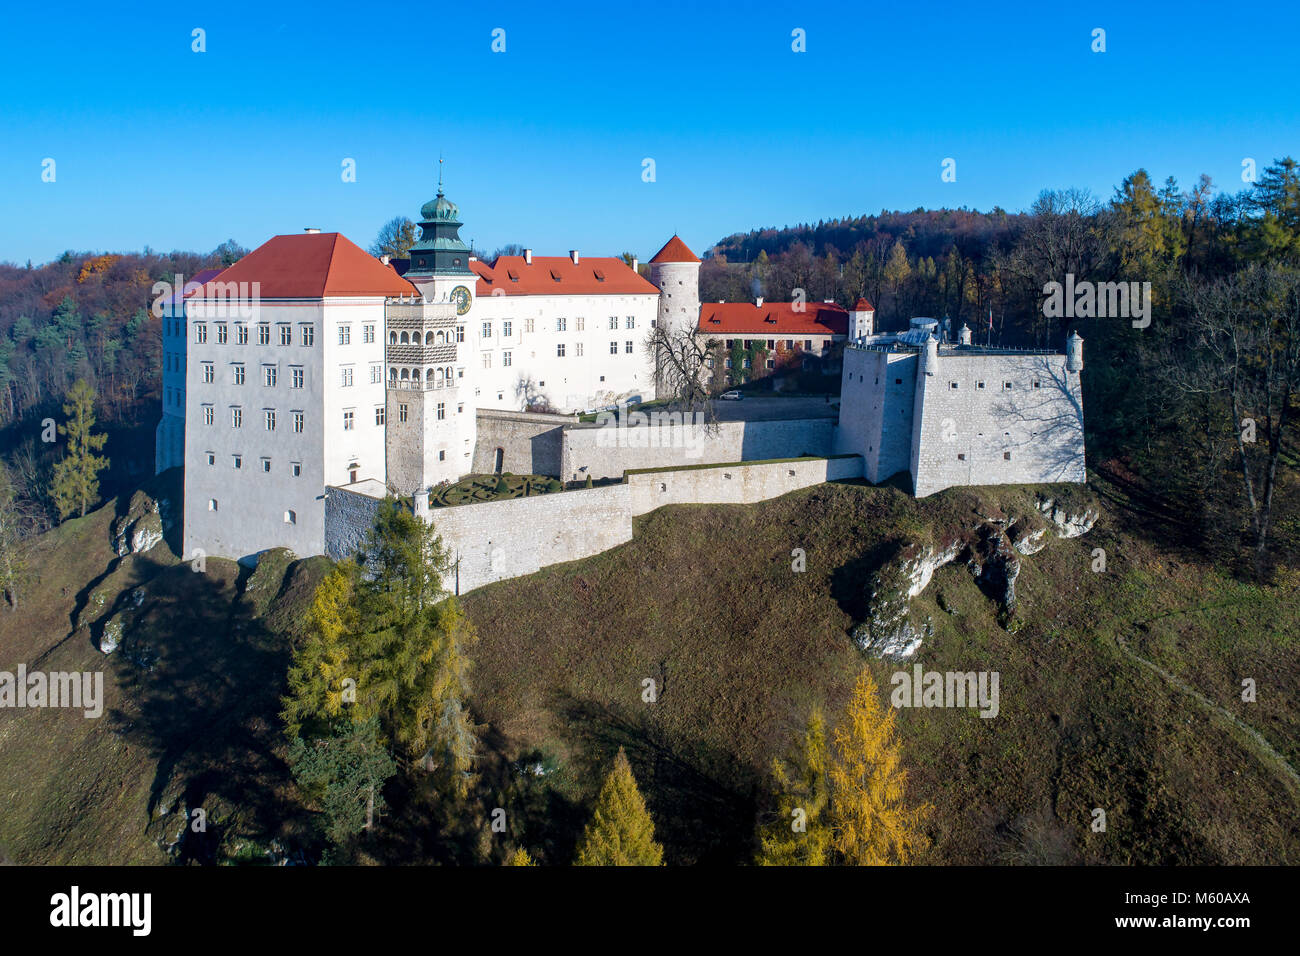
[871,824]
[801,834]
[621,832]
[520,858]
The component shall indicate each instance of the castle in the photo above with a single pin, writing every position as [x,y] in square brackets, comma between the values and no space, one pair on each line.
[310,379]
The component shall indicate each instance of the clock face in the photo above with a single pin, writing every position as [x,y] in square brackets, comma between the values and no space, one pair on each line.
[460,295]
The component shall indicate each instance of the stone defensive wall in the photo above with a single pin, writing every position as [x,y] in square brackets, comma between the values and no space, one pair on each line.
[495,540]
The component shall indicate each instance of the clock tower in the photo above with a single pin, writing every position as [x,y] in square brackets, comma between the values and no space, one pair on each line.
[440,259]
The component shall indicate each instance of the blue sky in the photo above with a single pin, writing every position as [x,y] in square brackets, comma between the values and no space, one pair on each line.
[157,145]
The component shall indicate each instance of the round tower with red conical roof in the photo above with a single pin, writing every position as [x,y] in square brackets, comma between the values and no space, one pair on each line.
[676,271]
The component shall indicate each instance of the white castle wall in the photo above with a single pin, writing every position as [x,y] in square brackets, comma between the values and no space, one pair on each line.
[603,451]
[530,444]
[734,484]
[876,407]
[497,540]
[1024,424]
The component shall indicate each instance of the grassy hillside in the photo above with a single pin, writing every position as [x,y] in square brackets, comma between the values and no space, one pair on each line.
[704,602]
[189,717]
[1119,690]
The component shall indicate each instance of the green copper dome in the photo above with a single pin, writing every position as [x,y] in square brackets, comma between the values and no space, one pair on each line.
[439,209]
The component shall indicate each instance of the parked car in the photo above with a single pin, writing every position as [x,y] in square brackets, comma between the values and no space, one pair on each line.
[732,396]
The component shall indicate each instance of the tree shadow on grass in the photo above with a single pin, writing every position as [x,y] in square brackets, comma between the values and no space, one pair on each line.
[702,799]
[201,679]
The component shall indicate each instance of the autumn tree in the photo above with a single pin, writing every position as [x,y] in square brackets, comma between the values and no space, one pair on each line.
[13,568]
[871,825]
[801,833]
[621,832]
[75,485]
[385,641]
[520,858]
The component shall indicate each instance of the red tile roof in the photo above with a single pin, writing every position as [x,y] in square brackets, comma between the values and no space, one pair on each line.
[675,250]
[311,265]
[862,305]
[192,286]
[773,319]
[557,275]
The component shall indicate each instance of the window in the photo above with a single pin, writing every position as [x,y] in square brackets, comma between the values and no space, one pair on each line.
[290,517]
[346,375]
[506,328]
[1006,456]
[807,345]
[582,323]
[345,335]
[528,325]
[349,417]
[1006,386]
[241,333]
[630,322]
[221,333]
[952,384]
[268,416]
[401,413]
[442,454]
[979,384]
[442,411]
[487,330]
[266,465]
[308,335]
[487,359]
[207,414]
[460,408]
[1037,384]
[212,504]
[613,348]
[367,333]
[506,358]
[200,333]
[295,469]
[263,334]
[236,417]
[561,325]
[627,346]
[460,333]
[771,344]
[613,321]
[771,363]
[898,381]
[296,376]
[559,350]
[298,421]
[239,373]
[379,414]
[212,459]
[238,460]
[376,375]
[209,372]
[269,375]
[286,334]
[577,350]
[961,457]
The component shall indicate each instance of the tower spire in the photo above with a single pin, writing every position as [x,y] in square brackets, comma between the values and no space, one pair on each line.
[439,174]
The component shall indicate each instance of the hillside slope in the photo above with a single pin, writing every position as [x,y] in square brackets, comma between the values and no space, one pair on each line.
[704,602]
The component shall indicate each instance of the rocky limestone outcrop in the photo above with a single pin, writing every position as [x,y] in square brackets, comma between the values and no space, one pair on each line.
[991,548]
[143,525]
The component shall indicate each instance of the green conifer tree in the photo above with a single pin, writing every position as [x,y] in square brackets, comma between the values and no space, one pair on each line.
[75,485]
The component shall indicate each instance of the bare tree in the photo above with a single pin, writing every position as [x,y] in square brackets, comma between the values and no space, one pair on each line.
[1242,353]
[682,365]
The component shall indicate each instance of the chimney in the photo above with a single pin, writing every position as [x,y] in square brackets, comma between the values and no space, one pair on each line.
[312,229]
[759,302]
[528,257]
[473,258]
[384,259]
[573,256]
[635,263]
